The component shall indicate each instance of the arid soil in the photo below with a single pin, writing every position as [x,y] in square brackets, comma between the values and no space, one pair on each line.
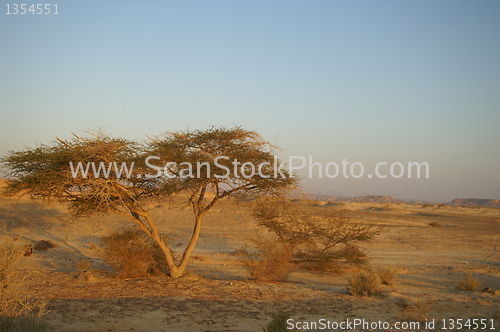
[217,293]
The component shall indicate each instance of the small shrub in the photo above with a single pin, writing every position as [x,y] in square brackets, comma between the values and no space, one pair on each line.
[271,261]
[20,306]
[435,224]
[352,254]
[441,205]
[84,265]
[132,254]
[468,283]
[427,205]
[93,245]
[414,312]
[387,276]
[364,284]
[278,323]
[44,245]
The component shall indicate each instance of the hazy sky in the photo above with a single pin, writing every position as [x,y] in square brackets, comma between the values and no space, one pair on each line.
[365,81]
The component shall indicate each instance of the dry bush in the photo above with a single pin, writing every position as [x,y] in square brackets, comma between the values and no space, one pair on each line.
[468,283]
[414,312]
[20,307]
[387,276]
[435,224]
[319,241]
[365,283]
[270,261]
[44,245]
[278,323]
[132,254]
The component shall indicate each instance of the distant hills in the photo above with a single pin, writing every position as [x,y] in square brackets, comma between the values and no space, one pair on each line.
[366,198]
[492,203]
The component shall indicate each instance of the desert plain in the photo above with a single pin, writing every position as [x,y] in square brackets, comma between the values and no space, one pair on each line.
[429,248]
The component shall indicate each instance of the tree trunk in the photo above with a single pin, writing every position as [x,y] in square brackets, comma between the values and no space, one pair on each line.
[191,245]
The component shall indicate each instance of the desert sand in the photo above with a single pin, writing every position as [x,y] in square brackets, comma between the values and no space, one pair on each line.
[218,295]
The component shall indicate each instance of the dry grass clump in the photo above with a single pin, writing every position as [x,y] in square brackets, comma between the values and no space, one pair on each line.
[387,276]
[132,254]
[366,283]
[44,245]
[468,283]
[414,312]
[20,307]
[270,261]
[435,224]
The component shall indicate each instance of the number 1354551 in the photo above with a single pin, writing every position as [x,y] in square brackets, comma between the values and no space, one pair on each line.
[31,9]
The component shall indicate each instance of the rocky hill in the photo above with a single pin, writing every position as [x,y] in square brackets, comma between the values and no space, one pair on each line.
[494,203]
[367,198]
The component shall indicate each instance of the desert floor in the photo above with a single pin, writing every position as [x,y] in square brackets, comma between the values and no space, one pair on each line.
[218,295]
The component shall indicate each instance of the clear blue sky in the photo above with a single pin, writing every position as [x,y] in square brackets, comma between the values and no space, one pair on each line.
[365,81]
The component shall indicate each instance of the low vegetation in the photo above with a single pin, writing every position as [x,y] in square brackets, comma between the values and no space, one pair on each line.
[316,241]
[387,276]
[132,254]
[365,283]
[468,283]
[21,308]
[44,245]
[414,311]
[271,261]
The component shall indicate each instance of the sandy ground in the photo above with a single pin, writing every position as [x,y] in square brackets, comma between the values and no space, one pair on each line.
[217,294]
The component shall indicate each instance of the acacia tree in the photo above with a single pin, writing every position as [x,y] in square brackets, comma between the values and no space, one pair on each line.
[106,175]
[214,164]
[317,237]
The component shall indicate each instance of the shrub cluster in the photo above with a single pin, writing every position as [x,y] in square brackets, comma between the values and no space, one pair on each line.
[132,254]
[20,307]
[270,261]
[44,245]
[365,283]
[369,283]
[468,283]
[316,241]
